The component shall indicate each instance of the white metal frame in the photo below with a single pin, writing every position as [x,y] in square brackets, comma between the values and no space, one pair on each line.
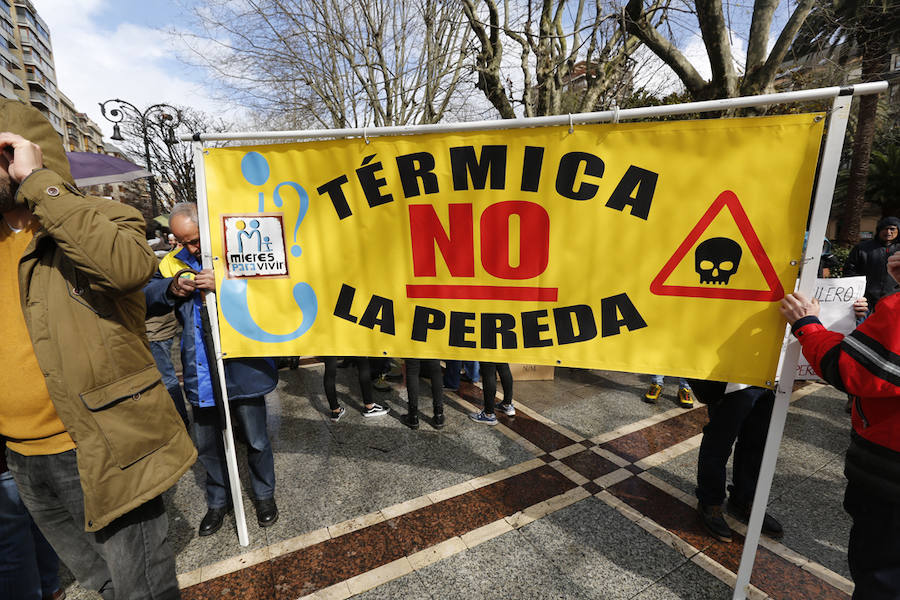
[824,189]
[228,434]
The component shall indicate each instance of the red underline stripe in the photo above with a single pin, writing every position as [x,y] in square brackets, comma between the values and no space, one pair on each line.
[483,292]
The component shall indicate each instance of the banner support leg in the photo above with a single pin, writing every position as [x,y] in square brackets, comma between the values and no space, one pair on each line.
[831,156]
[234,479]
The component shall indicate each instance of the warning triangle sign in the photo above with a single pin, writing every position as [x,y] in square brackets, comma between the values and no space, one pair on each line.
[713,289]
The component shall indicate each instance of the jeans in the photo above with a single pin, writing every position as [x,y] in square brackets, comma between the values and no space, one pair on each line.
[329,381]
[249,418]
[162,355]
[874,549]
[451,374]
[489,373]
[471,369]
[29,568]
[742,416]
[129,558]
[433,366]
[658,380]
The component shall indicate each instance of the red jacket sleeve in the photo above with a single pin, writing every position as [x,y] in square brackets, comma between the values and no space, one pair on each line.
[865,362]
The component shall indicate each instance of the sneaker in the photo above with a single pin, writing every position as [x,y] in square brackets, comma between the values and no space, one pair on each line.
[483,417]
[653,393]
[685,398]
[336,416]
[381,384]
[507,408]
[714,521]
[771,527]
[376,410]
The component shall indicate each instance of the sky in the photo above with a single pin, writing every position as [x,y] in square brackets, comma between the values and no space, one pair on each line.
[107,49]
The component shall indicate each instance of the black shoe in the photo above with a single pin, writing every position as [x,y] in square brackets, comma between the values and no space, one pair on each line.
[771,527]
[714,521]
[438,421]
[410,420]
[266,512]
[213,520]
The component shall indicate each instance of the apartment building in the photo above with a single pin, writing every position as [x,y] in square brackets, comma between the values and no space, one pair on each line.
[27,73]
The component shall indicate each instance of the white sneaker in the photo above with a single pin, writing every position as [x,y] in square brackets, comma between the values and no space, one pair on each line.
[376,410]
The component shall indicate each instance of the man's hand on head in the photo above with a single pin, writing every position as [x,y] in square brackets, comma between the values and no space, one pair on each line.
[22,156]
[796,306]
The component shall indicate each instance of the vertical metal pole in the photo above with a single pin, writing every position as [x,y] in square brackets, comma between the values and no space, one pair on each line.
[831,156]
[228,434]
[149,165]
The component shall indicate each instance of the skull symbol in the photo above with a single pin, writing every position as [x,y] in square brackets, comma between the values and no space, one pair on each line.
[716,260]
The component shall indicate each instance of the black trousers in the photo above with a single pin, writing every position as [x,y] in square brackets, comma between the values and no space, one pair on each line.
[433,368]
[489,372]
[329,381]
[742,417]
[874,549]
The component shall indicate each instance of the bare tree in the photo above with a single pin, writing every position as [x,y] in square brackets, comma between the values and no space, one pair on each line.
[336,63]
[716,30]
[171,161]
[572,57]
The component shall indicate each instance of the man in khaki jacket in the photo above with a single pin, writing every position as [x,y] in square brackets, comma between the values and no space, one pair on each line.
[93,437]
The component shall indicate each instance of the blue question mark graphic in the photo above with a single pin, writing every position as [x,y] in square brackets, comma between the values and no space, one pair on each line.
[233,295]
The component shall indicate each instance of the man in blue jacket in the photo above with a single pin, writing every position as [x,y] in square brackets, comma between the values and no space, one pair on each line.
[248,380]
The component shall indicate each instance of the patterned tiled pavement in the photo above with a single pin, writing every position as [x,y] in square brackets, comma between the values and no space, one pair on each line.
[585,493]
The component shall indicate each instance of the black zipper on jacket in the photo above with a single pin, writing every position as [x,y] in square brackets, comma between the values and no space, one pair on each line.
[858,402]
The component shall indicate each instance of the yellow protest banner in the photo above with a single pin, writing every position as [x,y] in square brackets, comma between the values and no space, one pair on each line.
[649,247]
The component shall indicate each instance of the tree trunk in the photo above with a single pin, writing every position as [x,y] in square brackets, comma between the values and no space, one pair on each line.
[859,170]
[875,59]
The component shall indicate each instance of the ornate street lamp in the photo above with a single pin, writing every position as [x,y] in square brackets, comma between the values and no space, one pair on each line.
[164,116]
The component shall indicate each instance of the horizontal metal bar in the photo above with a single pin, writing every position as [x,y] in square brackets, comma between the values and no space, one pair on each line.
[573,119]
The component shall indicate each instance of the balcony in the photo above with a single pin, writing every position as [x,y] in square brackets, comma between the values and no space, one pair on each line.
[37,79]
[14,79]
[40,98]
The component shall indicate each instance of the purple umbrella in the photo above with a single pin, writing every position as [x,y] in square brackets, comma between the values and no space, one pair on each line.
[89,168]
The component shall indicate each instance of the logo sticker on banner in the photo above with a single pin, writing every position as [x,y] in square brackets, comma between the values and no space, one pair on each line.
[646,247]
[254,246]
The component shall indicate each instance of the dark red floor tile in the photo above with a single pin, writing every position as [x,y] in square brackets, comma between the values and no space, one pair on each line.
[525,489]
[433,524]
[674,515]
[305,571]
[773,574]
[659,436]
[247,584]
[592,488]
[589,464]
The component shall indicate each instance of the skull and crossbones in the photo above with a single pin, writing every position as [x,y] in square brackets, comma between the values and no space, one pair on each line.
[716,260]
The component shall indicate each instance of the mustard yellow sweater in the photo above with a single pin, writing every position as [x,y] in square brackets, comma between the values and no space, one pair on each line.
[27,417]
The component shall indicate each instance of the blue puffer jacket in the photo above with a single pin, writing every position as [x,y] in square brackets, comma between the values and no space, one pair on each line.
[244,377]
